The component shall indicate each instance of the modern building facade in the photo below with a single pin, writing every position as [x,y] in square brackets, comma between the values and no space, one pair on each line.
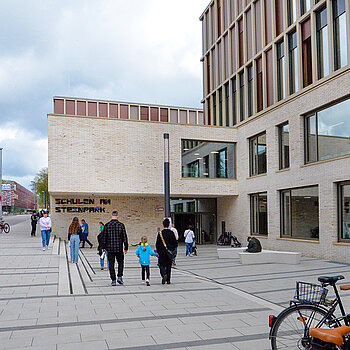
[15,197]
[277,73]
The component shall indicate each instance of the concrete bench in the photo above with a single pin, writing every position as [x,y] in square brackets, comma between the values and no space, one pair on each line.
[230,253]
[270,256]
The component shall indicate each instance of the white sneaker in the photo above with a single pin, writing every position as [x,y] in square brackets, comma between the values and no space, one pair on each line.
[47,247]
[143,282]
[147,282]
[44,249]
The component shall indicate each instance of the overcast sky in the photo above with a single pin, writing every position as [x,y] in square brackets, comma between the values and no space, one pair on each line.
[144,51]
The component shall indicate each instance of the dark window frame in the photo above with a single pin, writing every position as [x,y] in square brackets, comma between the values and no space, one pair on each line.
[253,215]
[253,157]
[340,208]
[280,146]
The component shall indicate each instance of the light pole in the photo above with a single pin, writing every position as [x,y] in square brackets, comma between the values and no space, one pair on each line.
[0,183]
[166,176]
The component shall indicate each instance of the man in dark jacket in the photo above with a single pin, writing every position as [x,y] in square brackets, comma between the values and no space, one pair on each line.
[33,221]
[165,261]
[254,245]
[112,240]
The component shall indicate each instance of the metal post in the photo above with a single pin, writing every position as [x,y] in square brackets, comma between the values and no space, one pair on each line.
[0,184]
[166,176]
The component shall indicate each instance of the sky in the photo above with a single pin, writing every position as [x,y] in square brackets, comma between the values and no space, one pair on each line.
[145,51]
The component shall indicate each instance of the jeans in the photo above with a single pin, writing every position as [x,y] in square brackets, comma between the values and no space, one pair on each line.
[111,261]
[102,261]
[74,247]
[165,270]
[145,271]
[189,248]
[45,235]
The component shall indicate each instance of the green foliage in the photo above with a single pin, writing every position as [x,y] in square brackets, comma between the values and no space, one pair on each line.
[40,186]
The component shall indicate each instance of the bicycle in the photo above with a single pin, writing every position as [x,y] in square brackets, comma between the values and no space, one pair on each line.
[4,227]
[309,309]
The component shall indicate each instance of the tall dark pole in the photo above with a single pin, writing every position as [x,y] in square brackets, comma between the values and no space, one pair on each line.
[166,176]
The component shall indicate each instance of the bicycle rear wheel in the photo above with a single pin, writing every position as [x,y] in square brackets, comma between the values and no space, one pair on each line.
[6,228]
[291,328]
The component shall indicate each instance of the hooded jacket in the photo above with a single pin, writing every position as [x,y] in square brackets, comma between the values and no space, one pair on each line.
[145,254]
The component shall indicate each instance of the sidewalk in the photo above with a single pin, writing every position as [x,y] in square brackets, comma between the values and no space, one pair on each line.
[211,303]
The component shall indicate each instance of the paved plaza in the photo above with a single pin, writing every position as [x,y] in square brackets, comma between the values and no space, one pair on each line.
[47,303]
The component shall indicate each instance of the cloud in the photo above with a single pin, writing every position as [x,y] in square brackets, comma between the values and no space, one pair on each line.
[24,153]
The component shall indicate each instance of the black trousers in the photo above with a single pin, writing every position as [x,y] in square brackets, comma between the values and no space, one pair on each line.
[145,271]
[85,239]
[119,256]
[165,270]
[33,229]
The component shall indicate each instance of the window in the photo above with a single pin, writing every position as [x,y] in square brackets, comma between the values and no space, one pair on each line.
[227,104]
[327,133]
[214,108]
[281,74]
[307,52]
[218,7]
[249,31]
[226,56]
[240,42]
[219,62]
[322,43]
[214,66]
[258,214]
[293,63]
[207,159]
[292,11]
[269,77]
[209,111]
[283,133]
[259,85]
[221,164]
[279,16]
[241,96]
[233,51]
[339,30]
[208,73]
[212,16]
[258,27]
[220,107]
[268,21]
[300,213]
[344,211]
[257,154]
[305,6]
[234,102]
[232,10]
[250,91]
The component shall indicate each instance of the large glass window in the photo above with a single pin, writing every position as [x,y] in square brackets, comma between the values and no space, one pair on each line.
[214,108]
[227,104]
[220,107]
[283,132]
[258,214]
[305,6]
[234,102]
[300,213]
[240,43]
[269,77]
[221,164]
[258,152]
[344,211]
[322,43]
[259,85]
[327,133]
[249,31]
[279,16]
[306,52]
[292,11]
[250,91]
[241,97]
[293,63]
[268,21]
[340,37]
[281,75]
[207,159]
[258,26]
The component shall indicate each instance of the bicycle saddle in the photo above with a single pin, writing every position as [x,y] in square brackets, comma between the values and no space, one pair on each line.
[330,280]
[333,336]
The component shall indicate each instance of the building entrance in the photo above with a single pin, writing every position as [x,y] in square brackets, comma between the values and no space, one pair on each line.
[198,213]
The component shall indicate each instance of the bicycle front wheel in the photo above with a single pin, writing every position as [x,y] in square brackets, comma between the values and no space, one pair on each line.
[6,228]
[292,326]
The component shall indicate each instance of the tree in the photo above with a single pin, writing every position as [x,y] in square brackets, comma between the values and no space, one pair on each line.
[40,187]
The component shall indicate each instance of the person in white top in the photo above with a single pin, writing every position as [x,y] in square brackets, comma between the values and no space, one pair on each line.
[177,238]
[45,228]
[189,237]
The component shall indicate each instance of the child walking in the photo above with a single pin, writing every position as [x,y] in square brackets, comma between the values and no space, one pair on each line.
[143,252]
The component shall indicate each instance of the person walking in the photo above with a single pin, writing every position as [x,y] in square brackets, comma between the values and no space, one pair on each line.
[74,239]
[173,228]
[113,238]
[101,253]
[165,241]
[143,252]
[85,233]
[189,237]
[33,221]
[45,228]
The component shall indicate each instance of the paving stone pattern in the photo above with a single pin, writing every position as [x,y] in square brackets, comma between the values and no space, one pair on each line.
[211,303]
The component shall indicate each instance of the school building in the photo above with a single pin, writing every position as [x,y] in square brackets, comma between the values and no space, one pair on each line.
[269,157]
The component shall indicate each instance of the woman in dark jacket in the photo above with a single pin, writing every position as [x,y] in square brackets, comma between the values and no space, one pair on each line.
[165,261]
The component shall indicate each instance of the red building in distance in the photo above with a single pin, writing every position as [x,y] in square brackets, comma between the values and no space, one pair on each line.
[15,197]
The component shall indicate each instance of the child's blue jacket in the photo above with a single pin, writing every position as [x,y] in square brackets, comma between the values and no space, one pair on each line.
[145,254]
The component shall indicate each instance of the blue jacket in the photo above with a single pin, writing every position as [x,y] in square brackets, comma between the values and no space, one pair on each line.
[145,254]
